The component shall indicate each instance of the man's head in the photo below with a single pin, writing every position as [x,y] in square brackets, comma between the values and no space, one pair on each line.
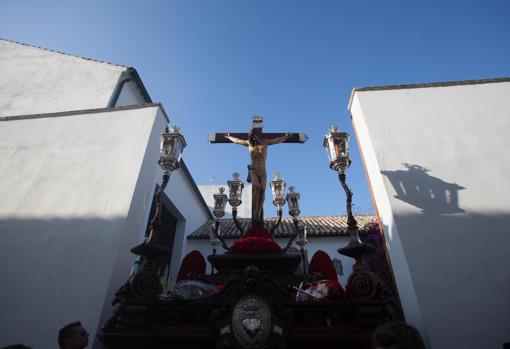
[396,335]
[73,336]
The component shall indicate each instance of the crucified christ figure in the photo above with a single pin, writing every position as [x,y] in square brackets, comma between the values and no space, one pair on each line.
[257,146]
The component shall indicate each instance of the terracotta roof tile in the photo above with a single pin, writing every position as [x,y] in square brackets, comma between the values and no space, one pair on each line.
[315,226]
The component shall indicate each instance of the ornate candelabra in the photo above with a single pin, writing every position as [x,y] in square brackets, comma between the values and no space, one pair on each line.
[292,199]
[336,144]
[294,211]
[361,282]
[220,201]
[235,189]
[214,240]
[145,282]
[279,198]
[278,186]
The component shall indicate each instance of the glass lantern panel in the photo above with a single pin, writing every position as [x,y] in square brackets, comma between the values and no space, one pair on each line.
[282,190]
[234,191]
[220,202]
[276,188]
[340,147]
[179,147]
[333,156]
[293,202]
[167,147]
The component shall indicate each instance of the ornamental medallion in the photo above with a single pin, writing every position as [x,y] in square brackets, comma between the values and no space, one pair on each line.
[251,322]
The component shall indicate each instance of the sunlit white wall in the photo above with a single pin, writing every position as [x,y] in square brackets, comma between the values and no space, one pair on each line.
[438,165]
[36,81]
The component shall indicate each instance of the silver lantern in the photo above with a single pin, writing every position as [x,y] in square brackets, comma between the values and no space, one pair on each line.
[220,201]
[235,190]
[171,148]
[337,147]
[278,190]
[293,202]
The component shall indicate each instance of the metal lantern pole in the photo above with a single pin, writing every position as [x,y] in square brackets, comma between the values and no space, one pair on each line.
[301,242]
[214,241]
[235,191]
[336,144]
[145,283]
[294,211]
[278,191]
[292,199]
[220,201]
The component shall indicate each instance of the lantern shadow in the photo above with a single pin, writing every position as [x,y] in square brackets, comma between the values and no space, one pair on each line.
[431,194]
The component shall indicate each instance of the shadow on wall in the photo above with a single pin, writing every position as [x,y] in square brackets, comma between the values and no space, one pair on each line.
[431,194]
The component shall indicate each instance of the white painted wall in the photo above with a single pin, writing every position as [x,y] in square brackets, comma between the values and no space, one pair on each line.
[187,201]
[35,81]
[243,211]
[187,209]
[447,221]
[75,192]
[70,209]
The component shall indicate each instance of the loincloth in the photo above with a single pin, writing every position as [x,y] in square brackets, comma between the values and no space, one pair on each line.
[261,173]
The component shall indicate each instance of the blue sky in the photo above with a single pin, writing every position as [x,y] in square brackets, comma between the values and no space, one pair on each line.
[213,64]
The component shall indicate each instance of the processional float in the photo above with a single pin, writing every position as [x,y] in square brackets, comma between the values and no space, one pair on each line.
[258,294]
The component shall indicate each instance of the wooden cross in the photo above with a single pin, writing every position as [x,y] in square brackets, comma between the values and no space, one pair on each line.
[257,143]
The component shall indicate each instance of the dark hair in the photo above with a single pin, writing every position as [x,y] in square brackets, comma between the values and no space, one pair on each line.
[253,139]
[66,332]
[397,334]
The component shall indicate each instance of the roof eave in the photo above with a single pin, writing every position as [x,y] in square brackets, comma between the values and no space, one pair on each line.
[138,81]
[426,85]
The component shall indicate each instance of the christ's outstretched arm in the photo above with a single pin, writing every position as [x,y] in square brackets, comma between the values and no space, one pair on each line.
[278,139]
[237,140]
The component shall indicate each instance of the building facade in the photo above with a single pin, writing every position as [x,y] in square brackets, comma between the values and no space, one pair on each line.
[436,159]
[79,143]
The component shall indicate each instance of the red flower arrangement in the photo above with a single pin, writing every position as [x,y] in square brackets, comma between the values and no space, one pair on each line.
[256,240]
